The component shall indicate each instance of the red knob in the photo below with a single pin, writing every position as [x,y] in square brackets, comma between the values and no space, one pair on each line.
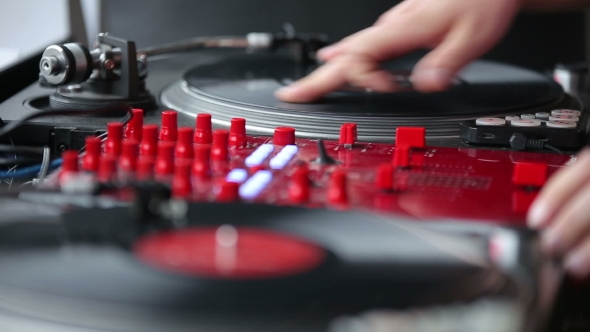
[181,182]
[529,174]
[91,159]
[414,137]
[384,177]
[348,134]
[299,186]
[165,159]
[149,141]
[203,131]
[228,192]
[184,147]
[401,156]
[284,136]
[128,160]
[114,138]
[107,167]
[145,168]
[133,130]
[337,188]
[219,150]
[169,129]
[237,133]
[69,163]
[202,162]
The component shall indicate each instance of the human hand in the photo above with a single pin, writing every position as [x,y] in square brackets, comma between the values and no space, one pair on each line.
[458,31]
[562,213]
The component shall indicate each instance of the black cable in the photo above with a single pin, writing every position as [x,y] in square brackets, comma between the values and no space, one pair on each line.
[519,141]
[27,150]
[108,109]
[554,149]
[19,161]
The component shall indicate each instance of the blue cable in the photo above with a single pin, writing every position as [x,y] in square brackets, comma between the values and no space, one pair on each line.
[30,171]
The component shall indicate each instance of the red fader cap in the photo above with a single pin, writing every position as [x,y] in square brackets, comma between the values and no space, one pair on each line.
[529,174]
[228,192]
[128,159]
[91,158]
[337,188]
[237,133]
[181,182]
[165,159]
[107,167]
[203,129]
[384,177]
[413,137]
[69,162]
[114,138]
[284,136]
[219,150]
[299,186]
[348,134]
[169,128]
[133,130]
[149,141]
[401,156]
[184,146]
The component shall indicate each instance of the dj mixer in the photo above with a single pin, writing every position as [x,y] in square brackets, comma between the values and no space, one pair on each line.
[406,177]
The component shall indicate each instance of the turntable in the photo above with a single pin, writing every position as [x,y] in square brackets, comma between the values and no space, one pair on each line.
[236,77]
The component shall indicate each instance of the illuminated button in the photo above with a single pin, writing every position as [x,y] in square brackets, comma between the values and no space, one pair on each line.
[512,118]
[293,149]
[527,117]
[259,155]
[542,115]
[255,185]
[566,112]
[561,124]
[237,175]
[564,118]
[490,122]
[283,157]
[526,123]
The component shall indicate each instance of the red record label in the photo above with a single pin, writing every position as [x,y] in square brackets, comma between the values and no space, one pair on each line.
[229,253]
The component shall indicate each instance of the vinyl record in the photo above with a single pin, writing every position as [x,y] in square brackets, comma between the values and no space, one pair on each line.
[80,272]
[244,86]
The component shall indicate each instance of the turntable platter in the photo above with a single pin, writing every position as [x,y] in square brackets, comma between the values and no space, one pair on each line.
[244,85]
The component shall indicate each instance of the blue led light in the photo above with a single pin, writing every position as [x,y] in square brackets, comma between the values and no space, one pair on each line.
[255,185]
[237,175]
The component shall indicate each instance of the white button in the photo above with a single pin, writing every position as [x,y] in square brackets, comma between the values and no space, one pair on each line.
[566,112]
[255,185]
[237,175]
[253,161]
[561,124]
[283,157]
[527,117]
[564,118]
[490,122]
[542,115]
[259,155]
[292,149]
[526,123]
[512,118]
